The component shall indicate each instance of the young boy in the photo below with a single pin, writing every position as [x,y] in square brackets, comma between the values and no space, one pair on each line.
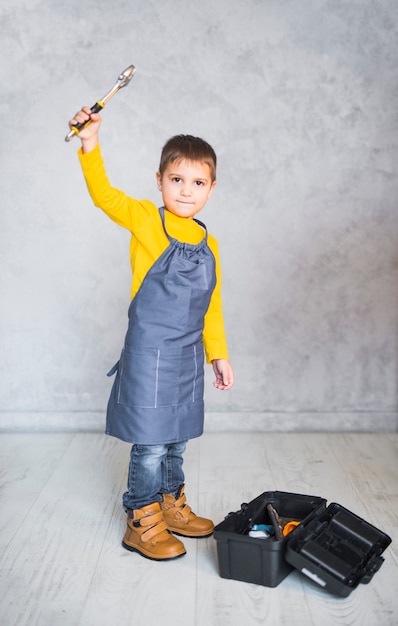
[156,402]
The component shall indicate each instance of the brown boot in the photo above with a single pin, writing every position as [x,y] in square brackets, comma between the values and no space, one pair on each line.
[181,520]
[147,534]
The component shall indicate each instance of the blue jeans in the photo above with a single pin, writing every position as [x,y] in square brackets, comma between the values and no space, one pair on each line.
[153,471]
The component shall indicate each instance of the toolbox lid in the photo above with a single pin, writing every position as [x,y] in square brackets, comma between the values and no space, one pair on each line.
[337,549]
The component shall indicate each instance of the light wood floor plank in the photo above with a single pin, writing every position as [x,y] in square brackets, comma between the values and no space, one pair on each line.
[61,525]
[24,471]
[49,563]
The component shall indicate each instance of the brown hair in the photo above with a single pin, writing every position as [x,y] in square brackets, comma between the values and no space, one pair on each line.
[189,148]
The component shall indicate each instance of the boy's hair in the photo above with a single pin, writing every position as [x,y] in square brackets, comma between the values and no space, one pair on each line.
[189,148]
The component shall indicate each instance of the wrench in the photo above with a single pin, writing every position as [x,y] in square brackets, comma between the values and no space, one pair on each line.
[123,80]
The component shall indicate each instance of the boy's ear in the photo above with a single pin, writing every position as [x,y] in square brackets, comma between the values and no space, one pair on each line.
[159,181]
[213,184]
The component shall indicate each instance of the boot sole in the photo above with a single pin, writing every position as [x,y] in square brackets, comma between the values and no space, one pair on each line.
[151,558]
[181,534]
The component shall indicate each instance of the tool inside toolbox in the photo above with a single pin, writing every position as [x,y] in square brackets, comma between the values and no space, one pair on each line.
[267,517]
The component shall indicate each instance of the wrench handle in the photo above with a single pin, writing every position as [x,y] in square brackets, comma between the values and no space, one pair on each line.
[76,128]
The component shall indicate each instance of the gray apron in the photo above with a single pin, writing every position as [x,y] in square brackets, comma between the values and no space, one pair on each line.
[157,395]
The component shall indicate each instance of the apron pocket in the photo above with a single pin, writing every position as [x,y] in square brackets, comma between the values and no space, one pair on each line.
[150,378]
[137,378]
[180,377]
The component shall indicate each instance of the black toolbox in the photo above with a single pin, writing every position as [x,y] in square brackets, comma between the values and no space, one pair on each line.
[331,545]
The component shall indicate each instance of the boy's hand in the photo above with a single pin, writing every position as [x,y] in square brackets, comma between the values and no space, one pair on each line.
[224,374]
[89,134]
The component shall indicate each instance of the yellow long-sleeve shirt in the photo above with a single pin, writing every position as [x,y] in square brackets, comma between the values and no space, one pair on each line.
[149,241]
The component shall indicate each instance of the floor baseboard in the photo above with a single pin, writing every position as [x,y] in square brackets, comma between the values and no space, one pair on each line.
[266,421]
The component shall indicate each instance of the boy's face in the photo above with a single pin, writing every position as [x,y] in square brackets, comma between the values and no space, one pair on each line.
[186,186]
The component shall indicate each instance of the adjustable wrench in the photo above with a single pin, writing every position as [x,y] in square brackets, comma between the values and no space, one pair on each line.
[123,80]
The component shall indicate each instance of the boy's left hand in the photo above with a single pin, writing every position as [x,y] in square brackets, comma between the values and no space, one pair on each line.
[224,374]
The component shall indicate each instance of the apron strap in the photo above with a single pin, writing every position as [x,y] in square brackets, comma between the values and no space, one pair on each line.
[114,369]
[161,211]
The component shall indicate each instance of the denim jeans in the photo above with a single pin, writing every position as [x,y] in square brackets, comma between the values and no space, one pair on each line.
[153,471]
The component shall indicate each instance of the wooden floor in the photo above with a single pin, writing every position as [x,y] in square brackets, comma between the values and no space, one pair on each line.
[61,524]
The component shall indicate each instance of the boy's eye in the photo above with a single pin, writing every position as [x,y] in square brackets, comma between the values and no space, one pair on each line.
[178,179]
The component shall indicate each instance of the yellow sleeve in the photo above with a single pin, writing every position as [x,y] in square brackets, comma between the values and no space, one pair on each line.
[122,209]
[214,338]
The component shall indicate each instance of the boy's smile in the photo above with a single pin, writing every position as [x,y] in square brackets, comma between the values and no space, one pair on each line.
[186,186]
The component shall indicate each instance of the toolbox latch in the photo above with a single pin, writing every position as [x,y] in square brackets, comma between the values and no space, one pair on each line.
[373,566]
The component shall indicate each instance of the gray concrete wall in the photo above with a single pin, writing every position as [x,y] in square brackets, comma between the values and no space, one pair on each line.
[299,100]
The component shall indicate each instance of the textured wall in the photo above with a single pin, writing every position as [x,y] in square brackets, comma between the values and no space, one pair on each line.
[299,100]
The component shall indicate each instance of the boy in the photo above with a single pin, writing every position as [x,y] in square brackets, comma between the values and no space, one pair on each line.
[156,402]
